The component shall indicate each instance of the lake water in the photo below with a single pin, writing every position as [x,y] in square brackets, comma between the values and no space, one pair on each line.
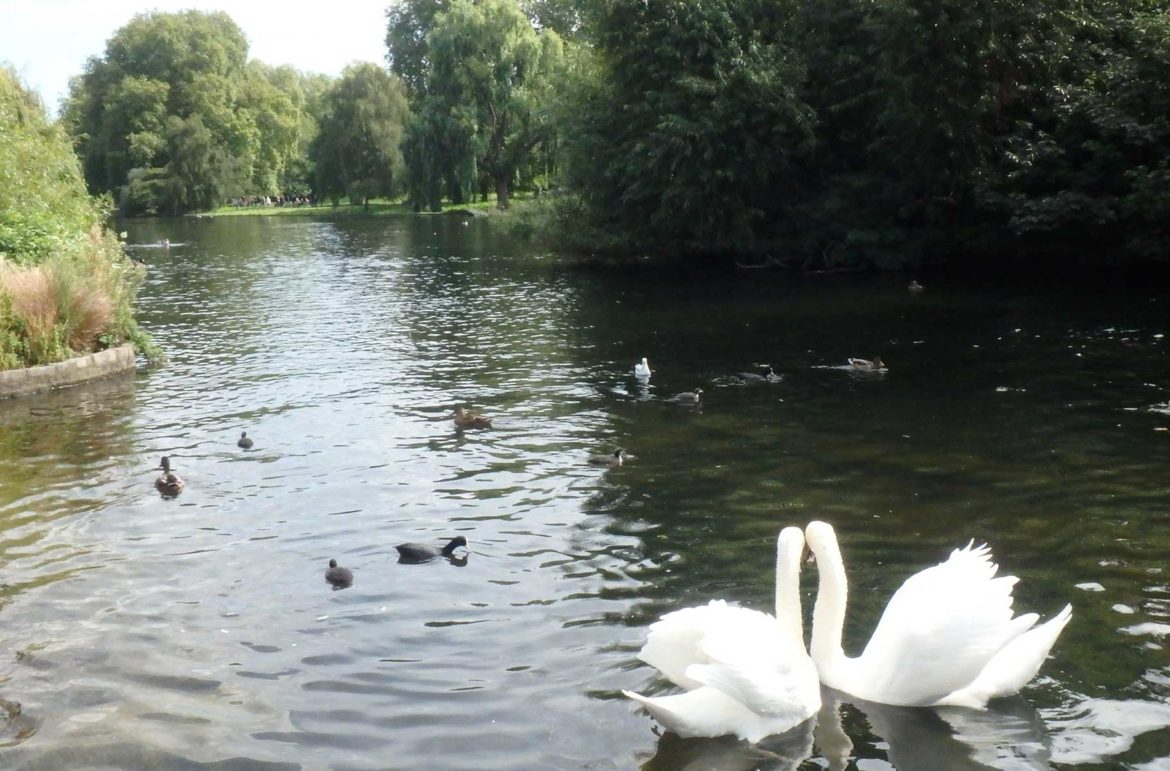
[198,632]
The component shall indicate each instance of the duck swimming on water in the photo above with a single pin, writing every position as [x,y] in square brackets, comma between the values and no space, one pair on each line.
[169,483]
[465,419]
[688,397]
[244,442]
[338,576]
[868,366]
[615,458]
[424,552]
[642,369]
[765,375]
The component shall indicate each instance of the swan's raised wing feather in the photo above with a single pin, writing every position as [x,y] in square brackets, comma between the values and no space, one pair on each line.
[1014,664]
[941,628]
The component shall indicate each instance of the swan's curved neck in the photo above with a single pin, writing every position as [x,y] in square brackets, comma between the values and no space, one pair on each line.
[829,612]
[788,593]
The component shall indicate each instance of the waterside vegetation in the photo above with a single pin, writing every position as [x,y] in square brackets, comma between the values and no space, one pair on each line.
[66,284]
[817,134]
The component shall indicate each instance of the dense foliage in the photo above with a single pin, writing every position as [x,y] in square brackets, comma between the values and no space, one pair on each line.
[812,133]
[691,131]
[828,133]
[481,78]
[174,119]
[358,150]
[66,285]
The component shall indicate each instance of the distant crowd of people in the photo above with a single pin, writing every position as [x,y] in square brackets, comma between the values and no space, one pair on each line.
[273,200]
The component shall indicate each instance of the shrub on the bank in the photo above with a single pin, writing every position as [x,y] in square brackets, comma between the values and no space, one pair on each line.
[66,284]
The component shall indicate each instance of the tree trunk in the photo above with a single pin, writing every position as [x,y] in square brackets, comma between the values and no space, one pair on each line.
[502,191]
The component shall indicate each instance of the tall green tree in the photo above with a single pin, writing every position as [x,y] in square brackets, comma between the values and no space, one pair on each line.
[491,71]
[164,66]
[689,126]
[358,150]
[408,22]
[306,93]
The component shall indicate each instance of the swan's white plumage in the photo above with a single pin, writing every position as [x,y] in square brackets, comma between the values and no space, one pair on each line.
[642,369]
[746,672]
[762,672]
[1014,665]
[676,641]
[947,635]
[707,712]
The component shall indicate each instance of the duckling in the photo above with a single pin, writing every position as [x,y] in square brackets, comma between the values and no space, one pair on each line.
[915,288]
[613,459]
[338,576]
[642,369]
[765,375]
[870,366]
[169,483]
[423,552]
[688,397]
[464,419]
[244,441]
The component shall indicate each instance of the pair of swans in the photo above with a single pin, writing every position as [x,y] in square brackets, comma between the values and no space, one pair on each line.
[946,638]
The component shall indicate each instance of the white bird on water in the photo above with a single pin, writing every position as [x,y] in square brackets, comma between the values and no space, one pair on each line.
[745,672]
[946,638]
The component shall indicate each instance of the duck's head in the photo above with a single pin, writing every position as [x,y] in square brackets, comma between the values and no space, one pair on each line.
[454,544]
[165,463]
[332,563]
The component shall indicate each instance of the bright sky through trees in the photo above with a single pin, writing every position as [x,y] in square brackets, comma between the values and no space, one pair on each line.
[48,41]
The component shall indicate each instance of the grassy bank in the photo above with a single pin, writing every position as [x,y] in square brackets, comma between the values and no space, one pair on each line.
[377,208]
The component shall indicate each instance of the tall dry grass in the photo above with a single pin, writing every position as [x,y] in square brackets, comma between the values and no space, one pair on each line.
[53,310]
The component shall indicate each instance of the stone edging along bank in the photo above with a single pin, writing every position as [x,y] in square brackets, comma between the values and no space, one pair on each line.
[20,382]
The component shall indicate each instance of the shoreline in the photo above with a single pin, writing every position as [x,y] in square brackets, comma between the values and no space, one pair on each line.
[16,383]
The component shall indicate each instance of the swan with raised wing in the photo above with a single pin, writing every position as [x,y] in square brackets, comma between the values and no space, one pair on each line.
[746,672]
[947,636]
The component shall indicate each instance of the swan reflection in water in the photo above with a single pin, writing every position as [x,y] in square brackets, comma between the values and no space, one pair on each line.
[1008,735]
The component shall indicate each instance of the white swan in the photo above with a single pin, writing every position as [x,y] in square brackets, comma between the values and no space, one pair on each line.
[947,636]
[746,672]
[642,369]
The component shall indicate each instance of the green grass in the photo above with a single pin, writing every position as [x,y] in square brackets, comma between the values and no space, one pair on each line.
[377,207]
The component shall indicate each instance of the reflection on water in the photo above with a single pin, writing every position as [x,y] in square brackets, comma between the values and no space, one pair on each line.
[138,632]
[1008,735]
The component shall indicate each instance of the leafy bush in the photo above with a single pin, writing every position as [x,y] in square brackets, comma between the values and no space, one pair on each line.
[66,284]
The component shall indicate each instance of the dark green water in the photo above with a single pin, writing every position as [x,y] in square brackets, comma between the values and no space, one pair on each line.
[198,632]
